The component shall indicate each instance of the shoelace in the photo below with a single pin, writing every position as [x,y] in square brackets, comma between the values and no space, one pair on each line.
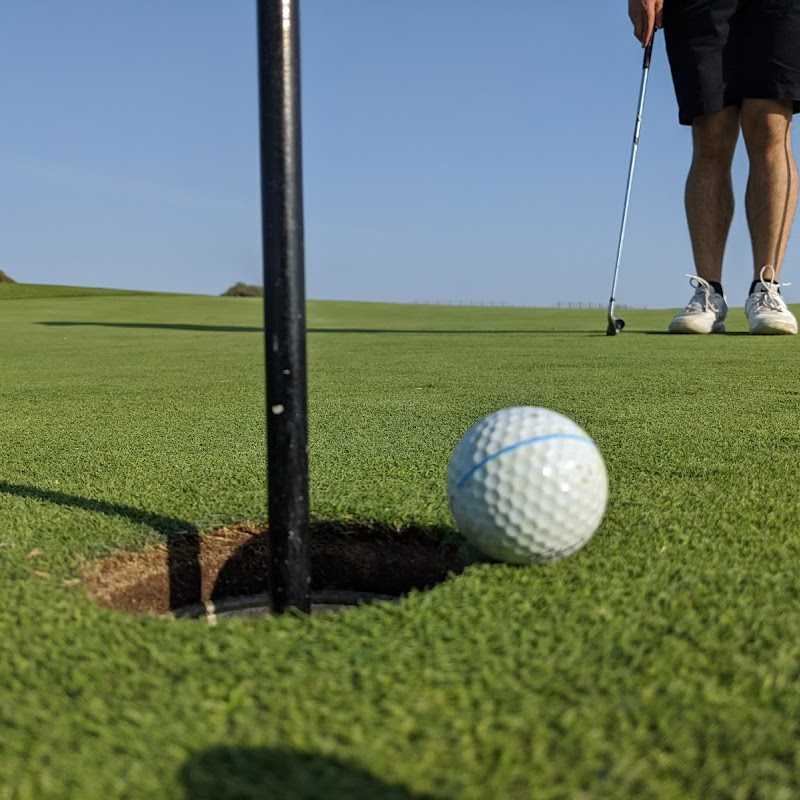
[702,294]
[770,297]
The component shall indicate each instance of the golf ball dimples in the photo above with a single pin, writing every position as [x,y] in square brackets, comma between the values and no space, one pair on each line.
[527,485]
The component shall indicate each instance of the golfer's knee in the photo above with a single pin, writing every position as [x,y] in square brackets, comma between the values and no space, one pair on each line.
[765,125]
[715,136]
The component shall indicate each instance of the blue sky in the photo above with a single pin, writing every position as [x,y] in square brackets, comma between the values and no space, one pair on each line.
[454,151]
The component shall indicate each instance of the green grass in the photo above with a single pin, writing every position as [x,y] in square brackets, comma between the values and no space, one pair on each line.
[662,661]
[31,291]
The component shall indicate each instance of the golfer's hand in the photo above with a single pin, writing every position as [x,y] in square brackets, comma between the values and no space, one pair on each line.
[646,17]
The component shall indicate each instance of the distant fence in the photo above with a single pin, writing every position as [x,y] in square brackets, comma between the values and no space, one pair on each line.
[579,304]
[477,303]
[502,304]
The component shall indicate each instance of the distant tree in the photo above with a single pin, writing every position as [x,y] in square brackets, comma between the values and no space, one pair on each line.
[6,278]
[244,290]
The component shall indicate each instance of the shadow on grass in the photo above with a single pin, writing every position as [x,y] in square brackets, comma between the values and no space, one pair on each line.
[679,336]
[242,773]
[243,329]
[182,538]
[162,326]
[517,332]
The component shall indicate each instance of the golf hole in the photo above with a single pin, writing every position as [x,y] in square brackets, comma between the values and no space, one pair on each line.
[226,573]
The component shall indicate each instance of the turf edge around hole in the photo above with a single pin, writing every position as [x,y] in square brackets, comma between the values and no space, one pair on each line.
[227,571]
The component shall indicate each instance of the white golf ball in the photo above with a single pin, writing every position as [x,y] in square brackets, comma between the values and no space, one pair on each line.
[527,485]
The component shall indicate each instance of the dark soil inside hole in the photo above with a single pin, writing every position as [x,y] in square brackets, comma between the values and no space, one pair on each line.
[232,562]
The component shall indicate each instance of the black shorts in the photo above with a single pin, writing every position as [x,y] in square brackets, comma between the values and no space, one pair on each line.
[724,51]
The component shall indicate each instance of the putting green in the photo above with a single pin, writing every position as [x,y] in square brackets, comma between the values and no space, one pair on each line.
[661,661]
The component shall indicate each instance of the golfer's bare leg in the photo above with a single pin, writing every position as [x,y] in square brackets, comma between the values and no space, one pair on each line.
[771,197]
[709,189]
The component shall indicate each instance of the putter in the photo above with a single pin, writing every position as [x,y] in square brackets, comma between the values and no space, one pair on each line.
[615,324]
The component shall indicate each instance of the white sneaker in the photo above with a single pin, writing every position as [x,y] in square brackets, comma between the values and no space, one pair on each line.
[766,310]
[705,312]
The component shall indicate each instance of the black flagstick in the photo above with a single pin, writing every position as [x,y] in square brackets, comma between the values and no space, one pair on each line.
[284,302]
